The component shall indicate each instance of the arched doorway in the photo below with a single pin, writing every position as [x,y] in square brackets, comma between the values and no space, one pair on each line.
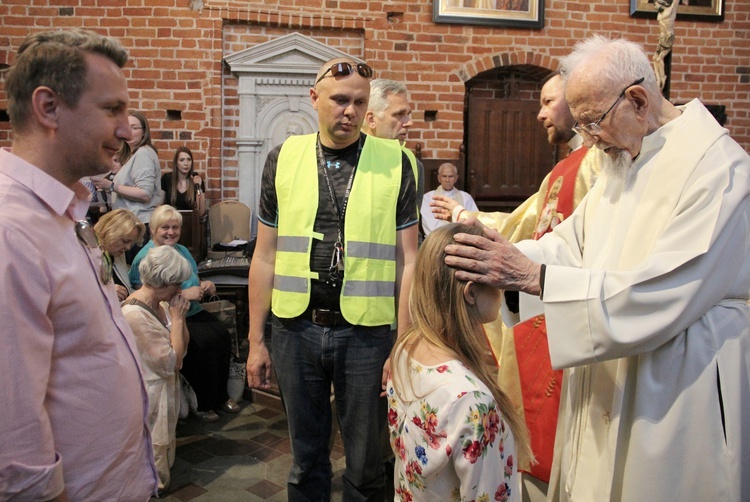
[506,148]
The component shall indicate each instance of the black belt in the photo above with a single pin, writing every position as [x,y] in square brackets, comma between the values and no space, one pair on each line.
[324,317]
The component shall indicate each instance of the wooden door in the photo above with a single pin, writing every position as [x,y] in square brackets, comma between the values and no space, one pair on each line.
[507,153]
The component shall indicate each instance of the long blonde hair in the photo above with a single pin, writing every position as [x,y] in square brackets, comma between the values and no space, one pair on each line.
[441,317]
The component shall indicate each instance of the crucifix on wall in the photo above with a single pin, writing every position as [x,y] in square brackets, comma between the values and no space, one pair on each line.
[667,12]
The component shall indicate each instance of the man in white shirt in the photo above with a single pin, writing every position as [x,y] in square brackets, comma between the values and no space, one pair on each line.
[447,176]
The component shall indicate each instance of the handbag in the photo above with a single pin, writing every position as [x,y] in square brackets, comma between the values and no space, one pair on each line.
[188,400]
[225,311]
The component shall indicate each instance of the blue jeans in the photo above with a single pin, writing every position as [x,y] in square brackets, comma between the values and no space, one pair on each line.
[308,358]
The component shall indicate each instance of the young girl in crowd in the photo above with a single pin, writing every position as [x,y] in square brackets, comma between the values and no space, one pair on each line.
[183,187]
[455,434]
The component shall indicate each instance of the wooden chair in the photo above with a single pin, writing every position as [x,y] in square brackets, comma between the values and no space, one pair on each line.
[229,220]
[193,234]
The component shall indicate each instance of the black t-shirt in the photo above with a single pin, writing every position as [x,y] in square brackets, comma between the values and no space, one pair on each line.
[340,164]
[181,201]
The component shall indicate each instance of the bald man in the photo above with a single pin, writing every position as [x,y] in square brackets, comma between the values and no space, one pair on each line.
[447,176]
[331,269]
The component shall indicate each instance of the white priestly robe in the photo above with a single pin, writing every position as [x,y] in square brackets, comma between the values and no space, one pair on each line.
[645,299]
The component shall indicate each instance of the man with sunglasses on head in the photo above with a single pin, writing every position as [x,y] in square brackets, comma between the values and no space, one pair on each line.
[337,240]
[74,407]
[644,290]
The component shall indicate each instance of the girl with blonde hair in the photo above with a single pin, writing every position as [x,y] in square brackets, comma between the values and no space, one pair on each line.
[454,432]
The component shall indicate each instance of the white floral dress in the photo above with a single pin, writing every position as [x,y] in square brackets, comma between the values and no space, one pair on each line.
[450,440]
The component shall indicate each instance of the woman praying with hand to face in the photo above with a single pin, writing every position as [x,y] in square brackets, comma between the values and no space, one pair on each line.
[206,366]
[156,314]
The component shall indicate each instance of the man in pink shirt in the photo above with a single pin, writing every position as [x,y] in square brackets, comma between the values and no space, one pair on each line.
[72,401]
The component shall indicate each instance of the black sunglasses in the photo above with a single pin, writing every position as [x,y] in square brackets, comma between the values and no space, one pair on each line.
[87,237]
[344,69]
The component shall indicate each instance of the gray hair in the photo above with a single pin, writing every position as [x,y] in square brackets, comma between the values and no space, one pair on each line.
[55,59]
[619,62]
[380,89]
[162,266]
[448,165]
[162,215]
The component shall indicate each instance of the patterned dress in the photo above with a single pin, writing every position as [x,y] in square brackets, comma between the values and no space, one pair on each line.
[450,440]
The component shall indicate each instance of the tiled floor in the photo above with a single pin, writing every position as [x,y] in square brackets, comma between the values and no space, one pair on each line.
[242,457]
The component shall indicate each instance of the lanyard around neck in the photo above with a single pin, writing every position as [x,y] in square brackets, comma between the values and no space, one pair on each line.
[340,212]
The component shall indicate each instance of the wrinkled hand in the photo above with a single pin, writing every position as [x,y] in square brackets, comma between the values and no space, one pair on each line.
[193,293]
[178,306]
[258,366]
[385,377]
[442,207]
[208,288]
[491,259]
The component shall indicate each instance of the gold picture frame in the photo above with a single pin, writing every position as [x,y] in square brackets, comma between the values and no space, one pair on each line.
[508,13]
[687,10]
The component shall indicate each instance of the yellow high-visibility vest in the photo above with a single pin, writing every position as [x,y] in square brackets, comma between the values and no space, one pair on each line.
[369,287]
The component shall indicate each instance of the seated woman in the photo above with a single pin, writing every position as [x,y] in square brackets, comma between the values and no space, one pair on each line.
[117,231]
[455,434]
[206,365]
[156,314]
[183,187]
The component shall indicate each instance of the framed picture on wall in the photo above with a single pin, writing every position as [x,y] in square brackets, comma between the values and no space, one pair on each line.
[688,10]
[510,13]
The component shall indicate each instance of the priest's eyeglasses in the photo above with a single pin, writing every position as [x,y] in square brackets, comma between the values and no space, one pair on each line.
[343,69]
[593,128]
[87,237]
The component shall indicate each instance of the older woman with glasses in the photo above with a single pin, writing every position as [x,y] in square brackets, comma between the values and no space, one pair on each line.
[137,186]
[156,314]
[206,366]
[118,231]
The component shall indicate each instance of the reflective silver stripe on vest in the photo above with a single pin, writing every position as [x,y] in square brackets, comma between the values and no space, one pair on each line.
[290,284]
[369,288]
[371,250]
[292,244]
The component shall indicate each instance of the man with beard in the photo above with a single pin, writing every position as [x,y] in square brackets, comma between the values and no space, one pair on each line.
[334,271]
[644,290]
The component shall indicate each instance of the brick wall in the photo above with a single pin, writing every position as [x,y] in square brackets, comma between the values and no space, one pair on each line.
[177,79]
